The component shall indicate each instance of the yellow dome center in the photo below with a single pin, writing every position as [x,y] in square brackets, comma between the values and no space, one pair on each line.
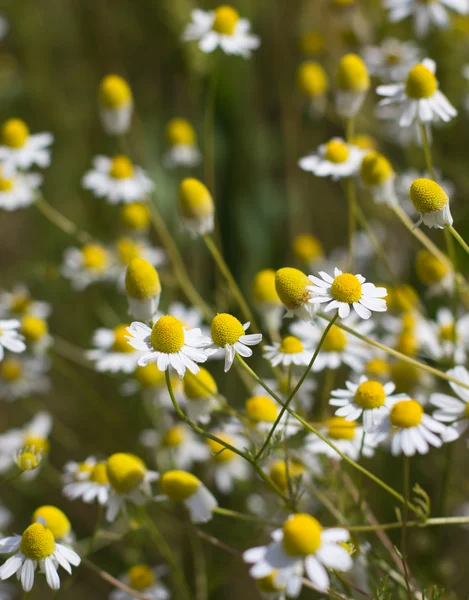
[263,288]
[364,141]
[180,132]
[11,369]
[179,485]
[408,322]
[28,461]
[406,414]
[56,520]
[370,394]
[95,257]
[421,83]
[127,250]
[36,443]
[135,216]
[174,436]
[429,269]
[307,248]
[141,577]
[121,167]
[37,542]
[6,185]
[121,343]
[427,196]
[150,376]
[352,74]
[340,429]
[261,408]
[375,169]
[337,151]
[402,298]
[291,345]
[407,344]
[15,133]
[335,340]
[125,472]
[281,475]
[142,281]
[167,335]
[377,367]
[99,474]
[201,385]
[114,92]
[301,535]
[195,201]
[291,287]
[346,288]
[226,330]
[226,18]
[220,453]
[312,79]
[33,328]
[448,332]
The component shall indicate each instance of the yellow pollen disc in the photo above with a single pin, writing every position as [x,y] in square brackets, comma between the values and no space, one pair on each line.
[427,196]
[199,386]
[142,281]
[135,216]
[301,535]
[95,257]
[312,42]
[448,333]
[121,343]
[225,329]
[307,248]
[364,141]
[346,288]
[125,472]
[408,322]
[312,79]
[261,408]
[335,341]
[180,132]
[219,452]
[167,335]
[352,74]
[336,151]
[6,184]
[127,250]
[279,474]
[37,542]
[263,288]
[56,520]
[140,577]
[20,303]
[407,344]
[195,201]
[174,436]
[15,133]
[28,461]
[39,444]
[421,83]
[429,269]
[179,485]
[291,345]
[405,376]
[99,474]
[149,376]
[407,413]
[375,169]
[377,367]
[291,287]
[402,298]
[114,92]
[84,468]
[33,328]
[10,369]
[121,167]
[226,18]
[370,394]
[340,429]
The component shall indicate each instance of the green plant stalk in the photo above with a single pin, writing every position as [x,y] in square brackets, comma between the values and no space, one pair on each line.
[458,238]
[61,221]
[427,151]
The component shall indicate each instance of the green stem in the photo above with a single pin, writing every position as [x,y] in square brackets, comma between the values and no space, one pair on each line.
[427,151]
[435,522]
[61,221]
[405,513]
[458,238]
[225,512]
[455,290]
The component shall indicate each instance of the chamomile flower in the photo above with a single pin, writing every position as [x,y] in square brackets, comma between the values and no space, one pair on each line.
[181,486]
[23,376]
[433,273]
[345,291]
[262,412]
[335,159]
[377,175]
[269,589]
[425,14]
[418,99]
[290,351]
[307,249]
[86,265]
[18,190]
[146,580]
[90,484]
[405,179]
[56,521]
[151,384]
[228,333]
[182,142]
[115,104]
[112,351]
[313,83]
[78,471]
[288,473]
[130,481]
[135,217]
[196,207]
[28,460]
[199,390]
[36,334]
[222,28]
[143,289]
[126,249]
[10,338]
[301,545]
[19,302]
[266,300]
[432,203]
[36,547]
[392,59]
[352,85]
[117,180]
[19,150]
[227,467]
[168,343]
[346,435]
[176,444]
[292,288]
[450,409]
[447,337]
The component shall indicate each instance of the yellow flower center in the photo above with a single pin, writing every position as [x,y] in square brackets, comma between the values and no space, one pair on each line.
[337,151]
[281,475]
[199,386]
[226,18]
[448,332]
[15,133]
[301,535]
[195,201]
[402,298]
[95,257]
[370,394]
[364,141]
[142,281]
[268,585]
[6,184]
[421,83]
[179,485]
[33,328]
[36,443]
[407,413]
[312,42]
[312,79]
[226,330]
[99,474]
[174,436]
[407,344]
[340,429]
[114,92]
[37,542]
[291,345]
[11,369]
[427,196]
[121,343]
[261,408]
[220,453]
[335,341]
[429,269]
[135,216]
[180,132]
[149,376]
[56,520]
[291,287]
[408,322]
[377,367]
[140,577]
[263,288]
[127,250]
[28,461]
[375,169]
[125,472]
[307,248]
[121,167]
[167,335]
[352,74]
[346,288]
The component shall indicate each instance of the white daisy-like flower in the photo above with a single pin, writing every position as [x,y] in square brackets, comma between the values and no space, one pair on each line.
[182,142]
[227,467]
[23,376]
[56,521]
[377,175]
[142,288]
[345,291]
[301,545]
[168,343]
[352,85]
[453,410]
[405,179]
[292,287]
[198,392]
[392,59]
[418,99]
[346,435]
[90,483]
[228,333]
[336,159]
[196,207]
[36,334]
[368,398]
[127,249]
[10,338]
[146,580]
[113,353]
[222,28]
[115,104]
[431,202]
[19,150]
[117,180]
[262,412]
[425,14]
[18,190]
[130,481]
[181,486]
[78,471]
[453,336]
[290,351]
[89,264]
[36,548]
[18,302]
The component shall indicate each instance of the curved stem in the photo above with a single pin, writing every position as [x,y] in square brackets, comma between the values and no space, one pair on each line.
[458,238]
[61,221]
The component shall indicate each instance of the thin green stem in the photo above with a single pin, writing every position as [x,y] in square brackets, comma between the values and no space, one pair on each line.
[427,151]
[455,290]
[434,522]
[405,512]
[61,221]
[225,512]
[458,238]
